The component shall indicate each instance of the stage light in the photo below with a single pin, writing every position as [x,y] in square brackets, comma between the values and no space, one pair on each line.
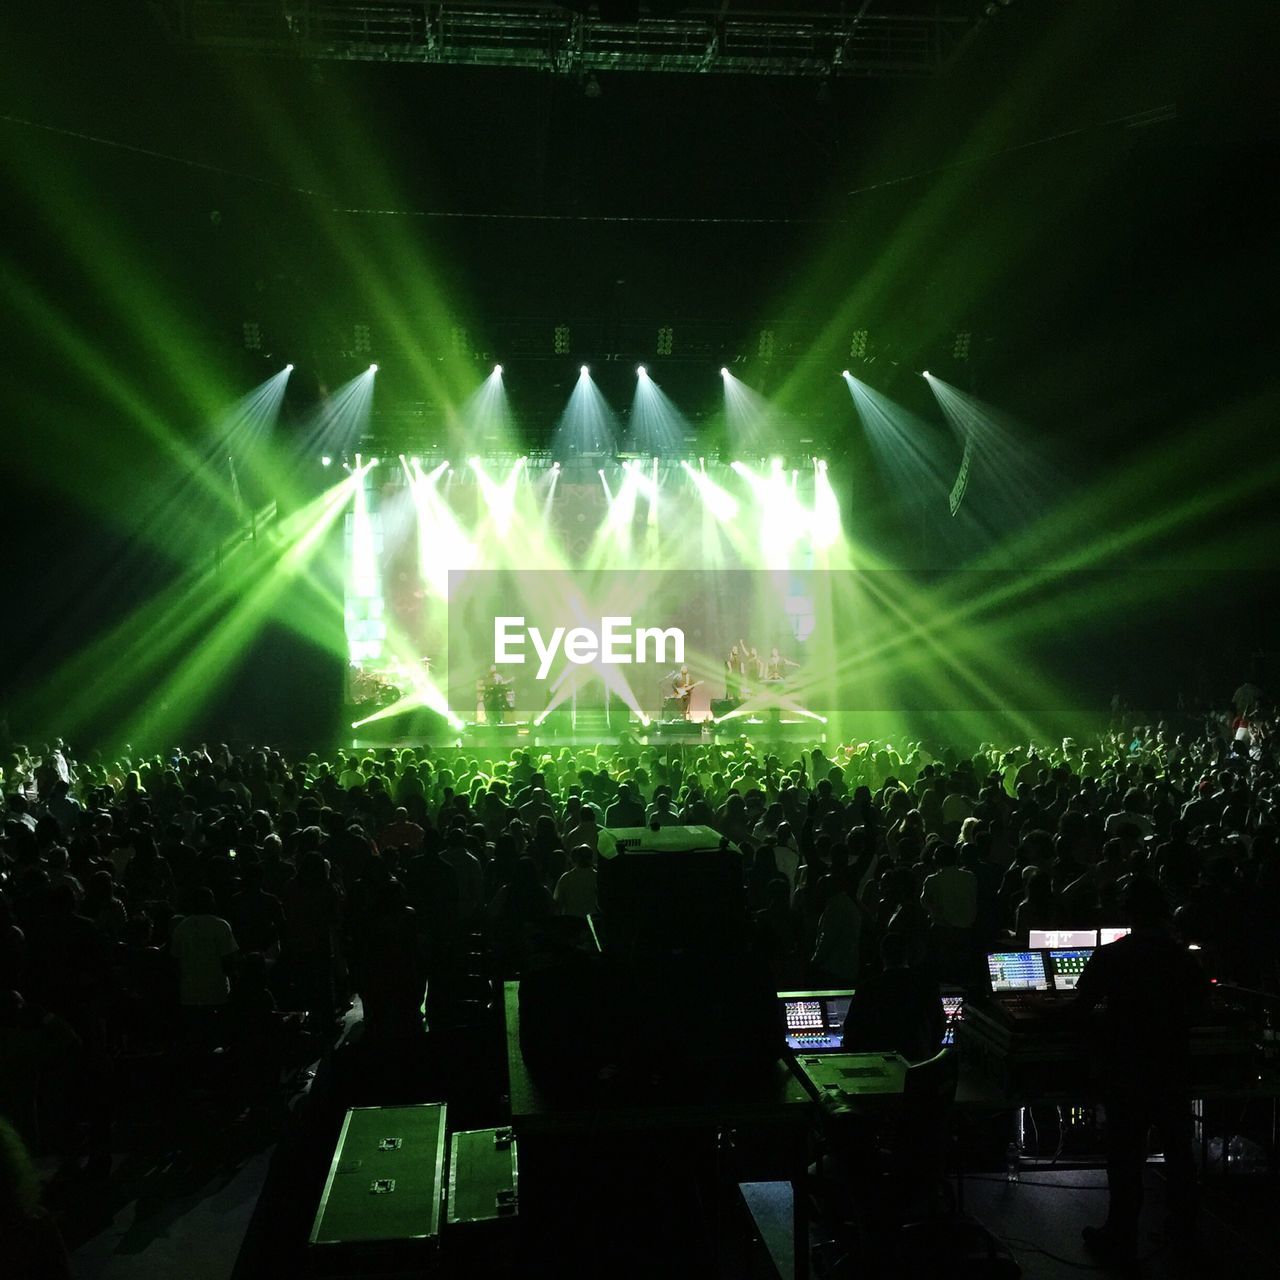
[473,462]
[724,372]
[599,471]
[584,371]
[924,373]
[641,371]
[326,461]
[497,368]
[844,373]
[373,368]
[373,462]
[555,466]
[825,524]
[776,464]
[288,368]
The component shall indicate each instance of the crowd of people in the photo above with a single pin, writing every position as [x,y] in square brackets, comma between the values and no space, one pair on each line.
[215,897]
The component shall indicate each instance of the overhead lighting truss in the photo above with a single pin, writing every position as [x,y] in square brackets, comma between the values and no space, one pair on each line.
[878,38]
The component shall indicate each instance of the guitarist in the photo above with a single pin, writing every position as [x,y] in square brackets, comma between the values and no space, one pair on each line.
[682,689]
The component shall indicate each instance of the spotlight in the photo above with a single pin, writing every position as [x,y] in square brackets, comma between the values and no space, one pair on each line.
[555,466]
[777,464]
[599,471]
[288,368]
[473,462]
[641,371]
[584,371]
[373,462]
[326,461]
[924,373]
[845,373]
[724,371]
[497,368]
[373,368]
[822,464]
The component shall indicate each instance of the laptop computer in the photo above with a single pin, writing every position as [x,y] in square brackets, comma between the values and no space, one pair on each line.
[814,1020]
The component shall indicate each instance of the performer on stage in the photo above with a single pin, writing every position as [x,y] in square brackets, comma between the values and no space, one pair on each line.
[733,675]
[499,696]
[775,670]
[682,690]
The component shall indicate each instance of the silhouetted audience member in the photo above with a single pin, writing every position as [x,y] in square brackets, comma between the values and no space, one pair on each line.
[897,1010]
[1151,988]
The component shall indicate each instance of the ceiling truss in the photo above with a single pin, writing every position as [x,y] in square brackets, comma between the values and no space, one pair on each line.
[872,38]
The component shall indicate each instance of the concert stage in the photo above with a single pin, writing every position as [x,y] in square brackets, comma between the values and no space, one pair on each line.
[510,737]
